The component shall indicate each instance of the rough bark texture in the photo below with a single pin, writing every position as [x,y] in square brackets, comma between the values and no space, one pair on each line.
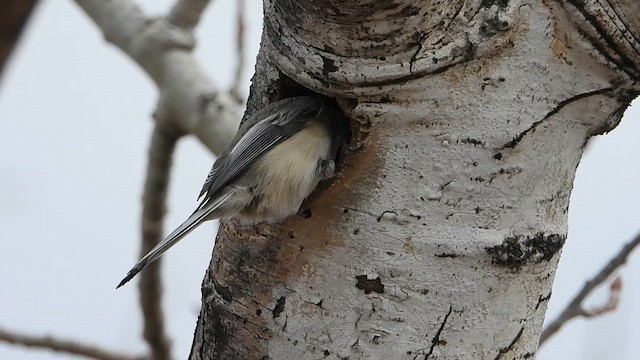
[441,235]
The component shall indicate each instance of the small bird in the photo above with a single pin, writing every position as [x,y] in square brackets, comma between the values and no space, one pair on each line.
[276,159]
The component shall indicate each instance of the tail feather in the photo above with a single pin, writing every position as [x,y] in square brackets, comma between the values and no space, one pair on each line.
[185,228]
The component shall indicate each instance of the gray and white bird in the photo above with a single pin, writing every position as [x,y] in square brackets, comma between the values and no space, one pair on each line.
[276,159]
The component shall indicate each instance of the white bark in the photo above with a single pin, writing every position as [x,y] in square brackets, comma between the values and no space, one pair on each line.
[441,236]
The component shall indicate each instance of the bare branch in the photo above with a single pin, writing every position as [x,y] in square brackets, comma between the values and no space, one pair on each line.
[64,346]
[236,88]
[154,205]
[615,288]
[189,102]
[186,13]
[163,50]
[575,308]
[13,19]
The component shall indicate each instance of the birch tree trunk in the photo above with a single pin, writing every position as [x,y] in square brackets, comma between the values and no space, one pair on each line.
[441,235]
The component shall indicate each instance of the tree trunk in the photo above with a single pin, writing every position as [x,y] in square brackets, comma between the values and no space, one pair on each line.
[441,235]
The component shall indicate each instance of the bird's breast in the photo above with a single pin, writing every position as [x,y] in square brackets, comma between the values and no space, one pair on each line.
[290,172]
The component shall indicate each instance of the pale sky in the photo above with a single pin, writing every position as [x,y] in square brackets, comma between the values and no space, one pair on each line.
[75,124]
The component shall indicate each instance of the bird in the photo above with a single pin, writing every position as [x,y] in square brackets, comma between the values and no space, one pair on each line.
[274,162]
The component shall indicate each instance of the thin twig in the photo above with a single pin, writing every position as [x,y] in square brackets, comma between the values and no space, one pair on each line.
[186,13]
[13,20]
[153,210]
[236,88]
[64,346]
[615,288]
[575,308]
[163,48]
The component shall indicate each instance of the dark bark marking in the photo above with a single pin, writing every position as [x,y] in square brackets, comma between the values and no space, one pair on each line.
[625,97]
[471,141]
[517,251]
[488,3]
[509,347]
[279,308]
[408,10]
[369,285]
[602,50]
[623,62]
[555,110]
[223,291]
[454,15]
[447,255]
[216,327]
[459,55]
[328,66]
[542,299]
[419,39]
[436,339]
[577,97]
[492,26]
[379,218]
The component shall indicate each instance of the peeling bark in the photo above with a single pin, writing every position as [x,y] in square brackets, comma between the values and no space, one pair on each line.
[441,235]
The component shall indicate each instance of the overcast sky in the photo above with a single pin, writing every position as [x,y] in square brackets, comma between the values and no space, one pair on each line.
[75,124]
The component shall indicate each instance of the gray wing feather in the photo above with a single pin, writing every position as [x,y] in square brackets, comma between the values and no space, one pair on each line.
[265,129]
[210,177]
[185,228]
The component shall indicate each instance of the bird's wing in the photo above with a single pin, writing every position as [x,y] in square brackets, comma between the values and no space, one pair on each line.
[212,175]
[276,123]
[273,125]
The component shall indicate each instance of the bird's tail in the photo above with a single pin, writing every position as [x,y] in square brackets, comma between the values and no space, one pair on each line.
[200,215]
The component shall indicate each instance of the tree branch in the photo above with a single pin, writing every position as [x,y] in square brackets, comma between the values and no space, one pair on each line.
[13,20]
[575,308]
[189,102]
[236,88]
[64,346]
[154,207]
[163,50]
[615,288]
[186,13]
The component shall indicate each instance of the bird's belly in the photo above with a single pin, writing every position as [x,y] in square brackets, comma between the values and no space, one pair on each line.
[289,174]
